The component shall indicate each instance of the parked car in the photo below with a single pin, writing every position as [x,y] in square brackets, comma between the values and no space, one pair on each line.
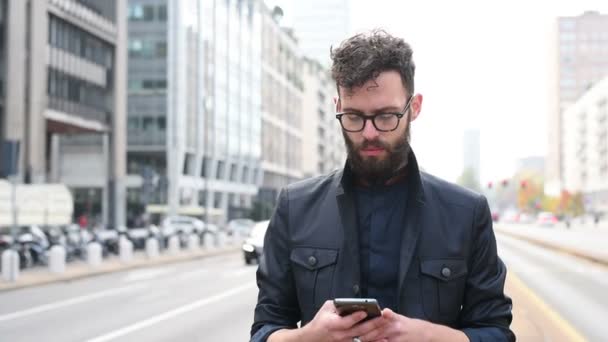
[183,227]
[240,227]
[546,219]
[254,244]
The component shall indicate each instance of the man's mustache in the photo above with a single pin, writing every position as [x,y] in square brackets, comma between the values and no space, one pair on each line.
[373,145]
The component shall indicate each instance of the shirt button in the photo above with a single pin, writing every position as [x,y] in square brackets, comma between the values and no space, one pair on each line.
[356,289]
[446,272]
[312,260]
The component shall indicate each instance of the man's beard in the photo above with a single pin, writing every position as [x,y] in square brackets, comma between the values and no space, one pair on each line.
[377,171]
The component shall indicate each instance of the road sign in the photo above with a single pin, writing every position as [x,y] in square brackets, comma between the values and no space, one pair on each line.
[9,152]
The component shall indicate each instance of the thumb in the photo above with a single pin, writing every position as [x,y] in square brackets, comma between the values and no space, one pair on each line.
[389,314]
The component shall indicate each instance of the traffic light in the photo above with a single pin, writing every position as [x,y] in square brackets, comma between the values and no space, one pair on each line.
[523,184]
[505,182]
[489,185]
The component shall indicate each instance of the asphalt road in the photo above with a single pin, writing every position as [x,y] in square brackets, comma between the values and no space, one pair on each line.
[207,300]
[572,288]
[212,299]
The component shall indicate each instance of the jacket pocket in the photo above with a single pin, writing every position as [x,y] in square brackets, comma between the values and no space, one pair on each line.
[443,282]
[313,270]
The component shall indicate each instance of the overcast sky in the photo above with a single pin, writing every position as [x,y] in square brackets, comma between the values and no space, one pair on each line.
[480,64]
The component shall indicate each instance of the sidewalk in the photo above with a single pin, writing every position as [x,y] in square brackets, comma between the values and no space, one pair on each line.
[586,242]
[80,269]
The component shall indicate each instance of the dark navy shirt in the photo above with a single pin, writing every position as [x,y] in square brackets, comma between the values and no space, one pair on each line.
[381,215]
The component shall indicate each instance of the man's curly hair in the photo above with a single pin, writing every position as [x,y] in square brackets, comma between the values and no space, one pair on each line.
[364,56]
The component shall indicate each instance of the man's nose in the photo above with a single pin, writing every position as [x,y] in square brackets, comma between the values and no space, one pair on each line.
[369,130]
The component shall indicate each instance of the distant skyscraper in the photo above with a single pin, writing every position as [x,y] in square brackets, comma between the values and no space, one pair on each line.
[319,24]
[471,152]
[582,61]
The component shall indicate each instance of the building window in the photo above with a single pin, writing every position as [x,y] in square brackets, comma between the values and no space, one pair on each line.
[233,172]
[148,13]
[162,123]
[220,169]
[162,13]
[154,84]
[254,180]
[148,123]
[136,12]
[78,42]
[65,90]
[133,124]
[245,174]
[204,166]
[161,49]
[217,200]
[202,198]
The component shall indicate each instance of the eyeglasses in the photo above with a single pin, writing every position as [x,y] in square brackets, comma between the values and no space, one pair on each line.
[383,122]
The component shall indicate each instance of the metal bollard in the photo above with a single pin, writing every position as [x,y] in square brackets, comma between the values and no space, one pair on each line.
[152,248]
[222,239]
[208,241]
[94,254]
[57,259]
[126,250]
[173,245]
[10,265]
[194,243]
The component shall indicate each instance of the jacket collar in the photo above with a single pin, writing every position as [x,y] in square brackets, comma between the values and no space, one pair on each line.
[347,179]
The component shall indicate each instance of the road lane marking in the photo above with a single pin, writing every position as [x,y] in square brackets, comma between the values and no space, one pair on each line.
[192,274]
[570,332]
[73,301]
[238,272]
[170,314]
[144,274]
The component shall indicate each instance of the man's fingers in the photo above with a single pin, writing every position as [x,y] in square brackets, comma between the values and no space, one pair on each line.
[349,321]
[365,328]
[328,305]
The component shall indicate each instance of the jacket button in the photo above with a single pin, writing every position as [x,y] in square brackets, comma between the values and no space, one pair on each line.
[356,289]
[446,272]
[312,260]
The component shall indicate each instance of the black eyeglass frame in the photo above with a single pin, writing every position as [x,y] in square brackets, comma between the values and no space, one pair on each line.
[372,118]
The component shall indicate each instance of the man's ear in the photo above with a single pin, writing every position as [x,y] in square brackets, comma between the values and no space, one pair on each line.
[338,104]
[416,106]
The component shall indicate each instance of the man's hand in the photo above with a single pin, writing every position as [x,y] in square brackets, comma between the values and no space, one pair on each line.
[329,326]
[398,328]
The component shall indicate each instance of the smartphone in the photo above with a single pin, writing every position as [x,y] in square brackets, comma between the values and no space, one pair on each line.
[347,306]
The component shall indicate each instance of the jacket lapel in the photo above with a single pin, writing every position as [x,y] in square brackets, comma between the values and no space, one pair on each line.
[412,228]
[348,216]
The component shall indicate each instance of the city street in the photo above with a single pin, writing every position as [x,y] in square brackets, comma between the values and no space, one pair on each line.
[557,297]
[207,300]
[574,289]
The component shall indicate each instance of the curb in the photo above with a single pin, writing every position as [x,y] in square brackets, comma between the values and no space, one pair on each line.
[49,278]
[556,247]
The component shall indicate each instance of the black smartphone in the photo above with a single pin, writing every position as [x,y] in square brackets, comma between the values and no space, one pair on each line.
[347,306]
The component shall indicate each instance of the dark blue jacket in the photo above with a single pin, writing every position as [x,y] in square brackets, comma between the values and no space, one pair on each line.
[449,271]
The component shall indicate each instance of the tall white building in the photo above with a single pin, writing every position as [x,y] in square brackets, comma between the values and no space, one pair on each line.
[320,24]
[323,147]
[582,60]
[586,146]
[281,108]
[471,152]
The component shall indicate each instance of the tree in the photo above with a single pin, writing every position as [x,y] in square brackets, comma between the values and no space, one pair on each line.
[468,179]
[260,210]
